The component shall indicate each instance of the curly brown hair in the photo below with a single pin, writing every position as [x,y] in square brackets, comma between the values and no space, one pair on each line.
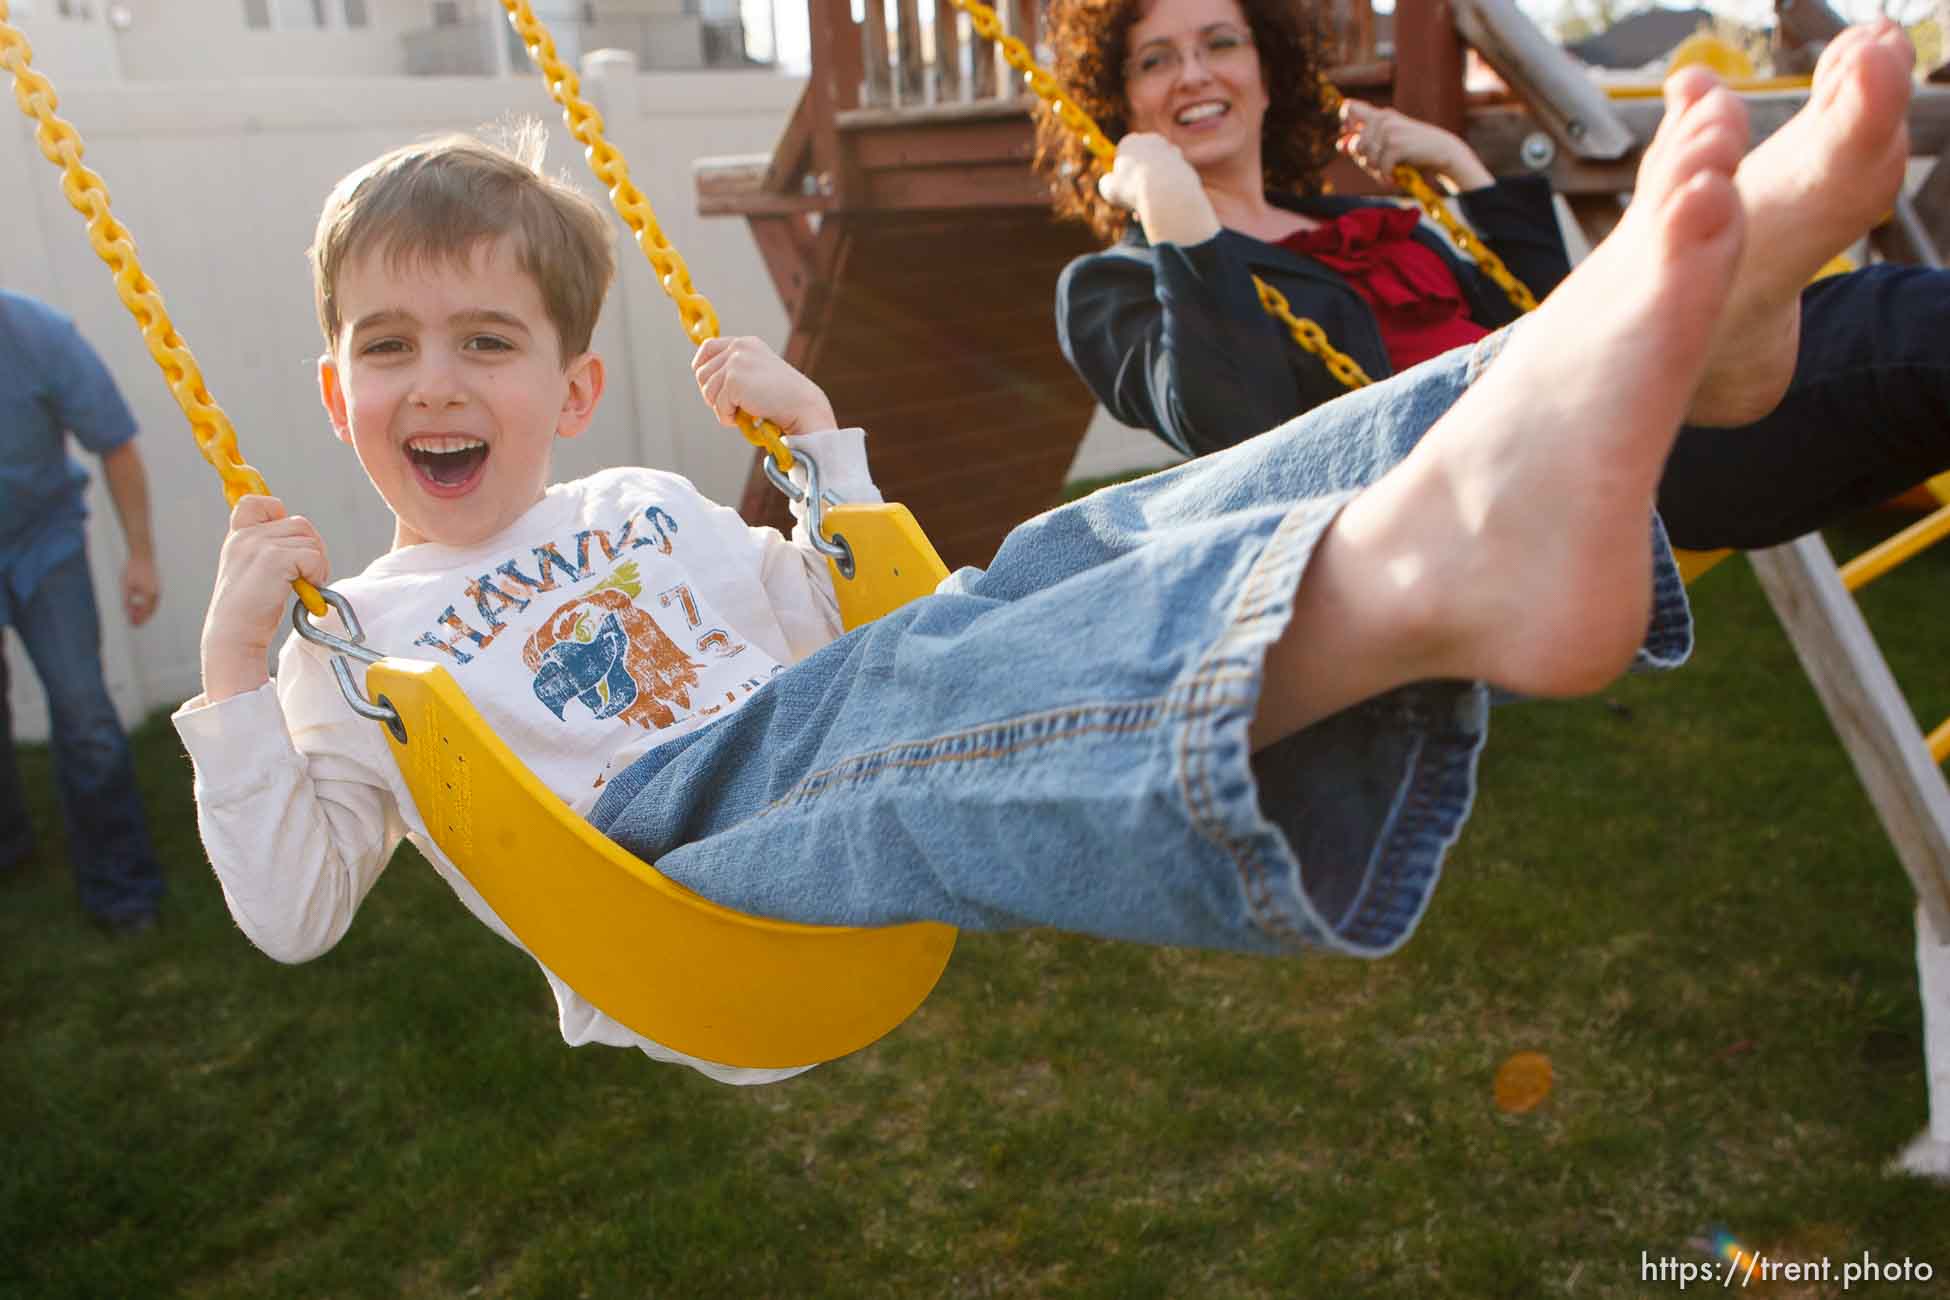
[1091,40]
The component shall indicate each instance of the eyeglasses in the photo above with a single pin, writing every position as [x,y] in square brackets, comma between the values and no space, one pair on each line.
[1219,48]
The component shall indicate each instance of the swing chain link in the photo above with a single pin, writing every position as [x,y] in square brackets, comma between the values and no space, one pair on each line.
[988,25]
[1486,259]
[60,143]
[694,310]
[1311,338]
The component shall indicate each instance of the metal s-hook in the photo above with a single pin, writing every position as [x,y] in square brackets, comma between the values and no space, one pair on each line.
[816,502]
[342,649]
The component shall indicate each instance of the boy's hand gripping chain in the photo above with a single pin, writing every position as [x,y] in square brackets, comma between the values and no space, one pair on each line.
[694,310]
[215,437]
[1307,335]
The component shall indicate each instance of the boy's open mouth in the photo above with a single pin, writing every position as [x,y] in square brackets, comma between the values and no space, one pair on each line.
[447,460]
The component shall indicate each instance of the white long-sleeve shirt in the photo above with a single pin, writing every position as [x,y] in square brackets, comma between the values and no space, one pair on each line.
[619,612]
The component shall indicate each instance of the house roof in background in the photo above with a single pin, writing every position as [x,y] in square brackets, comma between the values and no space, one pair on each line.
[1641,39]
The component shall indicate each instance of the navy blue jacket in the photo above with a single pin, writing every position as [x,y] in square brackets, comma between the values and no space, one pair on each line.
[1173,339]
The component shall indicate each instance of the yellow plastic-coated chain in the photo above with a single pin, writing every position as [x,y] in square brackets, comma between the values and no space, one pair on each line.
[988,26]
[694,310]
[1487,261]
[1311,338]
[58,140]
[1424,194]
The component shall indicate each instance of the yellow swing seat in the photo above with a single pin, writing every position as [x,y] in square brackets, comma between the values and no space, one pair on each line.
[650,954]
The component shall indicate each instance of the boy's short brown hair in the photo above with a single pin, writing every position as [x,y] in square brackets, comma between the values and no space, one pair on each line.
[442,198]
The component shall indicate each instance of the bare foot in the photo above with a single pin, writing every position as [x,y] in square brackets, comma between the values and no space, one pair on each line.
[1513,544]
[1811,189]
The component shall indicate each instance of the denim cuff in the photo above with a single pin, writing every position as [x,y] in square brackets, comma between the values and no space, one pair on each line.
[1338,835]
[1335,835]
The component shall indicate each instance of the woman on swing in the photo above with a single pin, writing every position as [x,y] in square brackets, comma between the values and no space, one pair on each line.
[1223,135]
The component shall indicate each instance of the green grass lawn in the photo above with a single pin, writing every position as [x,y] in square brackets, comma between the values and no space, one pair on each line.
[1677,891]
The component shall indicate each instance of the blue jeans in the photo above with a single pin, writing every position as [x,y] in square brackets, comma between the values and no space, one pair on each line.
[1061,739]
[115,868]
[1866,418]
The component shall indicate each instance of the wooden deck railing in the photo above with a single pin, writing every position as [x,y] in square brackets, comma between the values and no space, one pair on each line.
[918,64]
[923,53]
[906,108]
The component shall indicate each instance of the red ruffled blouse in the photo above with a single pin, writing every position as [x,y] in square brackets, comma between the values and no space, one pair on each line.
[1415,296]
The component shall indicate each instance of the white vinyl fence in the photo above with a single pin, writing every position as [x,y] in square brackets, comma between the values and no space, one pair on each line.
[220,184]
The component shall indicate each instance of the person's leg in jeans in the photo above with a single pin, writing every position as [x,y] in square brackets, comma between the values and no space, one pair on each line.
[116,872]
[16,833]
[1866,417]
[1182,740]
[1817,399]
